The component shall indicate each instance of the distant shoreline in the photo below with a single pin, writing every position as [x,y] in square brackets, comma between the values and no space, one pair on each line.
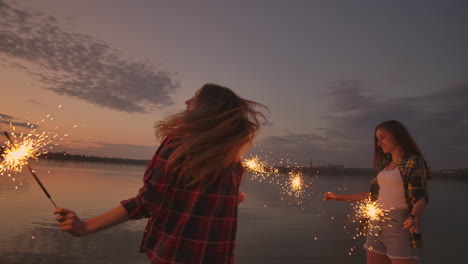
[63,156]
[460,174]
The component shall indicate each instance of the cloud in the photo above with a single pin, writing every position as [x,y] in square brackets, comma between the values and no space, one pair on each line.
[293,139]
[349,95]
[33,102]
[436,120]
[18,124]
[79,66]
[267,123]
[5,116]
[7,119]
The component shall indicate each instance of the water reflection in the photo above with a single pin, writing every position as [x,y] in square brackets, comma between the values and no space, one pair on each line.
[270,230]
[46,244]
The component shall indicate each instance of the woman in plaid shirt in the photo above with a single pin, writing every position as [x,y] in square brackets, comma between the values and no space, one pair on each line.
[400,189]
[190,191]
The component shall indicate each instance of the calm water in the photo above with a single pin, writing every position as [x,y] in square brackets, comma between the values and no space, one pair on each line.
[270,230]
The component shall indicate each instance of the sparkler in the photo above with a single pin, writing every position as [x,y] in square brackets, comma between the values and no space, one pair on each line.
[16,157]
[260,169]
[296,182]
[293,187]
[369,214]
[369,209]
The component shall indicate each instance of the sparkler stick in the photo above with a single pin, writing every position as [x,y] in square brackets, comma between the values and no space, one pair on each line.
[32,172]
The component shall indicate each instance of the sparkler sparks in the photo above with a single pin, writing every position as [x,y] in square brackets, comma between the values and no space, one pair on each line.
[296,182]
[22,148]
[369,209]
[20,157]
[294,187]
[291,184]
[370,215]
[260,169]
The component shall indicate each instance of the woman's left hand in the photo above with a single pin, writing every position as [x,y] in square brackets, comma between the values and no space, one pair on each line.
[412,225]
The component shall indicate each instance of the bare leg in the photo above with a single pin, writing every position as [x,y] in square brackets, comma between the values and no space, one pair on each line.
[374,258]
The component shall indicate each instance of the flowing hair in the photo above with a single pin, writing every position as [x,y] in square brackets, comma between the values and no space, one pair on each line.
[402,137]
[210,138]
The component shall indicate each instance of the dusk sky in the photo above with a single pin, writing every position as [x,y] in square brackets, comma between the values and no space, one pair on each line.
[329,71]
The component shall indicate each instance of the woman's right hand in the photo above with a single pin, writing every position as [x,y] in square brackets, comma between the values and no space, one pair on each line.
[70,222]
[329,196]
[242,197]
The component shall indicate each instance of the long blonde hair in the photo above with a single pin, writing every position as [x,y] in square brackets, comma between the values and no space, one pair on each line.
[210,137]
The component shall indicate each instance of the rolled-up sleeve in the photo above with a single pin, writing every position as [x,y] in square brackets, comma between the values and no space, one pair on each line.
[135,208]
[155,186]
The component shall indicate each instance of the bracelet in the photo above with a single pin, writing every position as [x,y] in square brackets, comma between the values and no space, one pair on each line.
[412,215]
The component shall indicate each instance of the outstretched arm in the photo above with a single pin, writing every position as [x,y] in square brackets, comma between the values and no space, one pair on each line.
[71,223]
[346,197]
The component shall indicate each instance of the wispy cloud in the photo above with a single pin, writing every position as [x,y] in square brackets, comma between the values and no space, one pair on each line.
[436,120]
[294,139]
[79,66]
[7,120]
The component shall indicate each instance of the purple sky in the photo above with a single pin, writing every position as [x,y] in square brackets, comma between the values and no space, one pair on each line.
[328,70]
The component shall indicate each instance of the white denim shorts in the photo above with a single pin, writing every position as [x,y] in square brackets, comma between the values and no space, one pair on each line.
[387,237]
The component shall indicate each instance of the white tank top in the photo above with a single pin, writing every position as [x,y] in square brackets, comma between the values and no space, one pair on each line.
[391,193]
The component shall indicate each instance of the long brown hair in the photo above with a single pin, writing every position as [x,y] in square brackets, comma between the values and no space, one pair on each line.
[402,137]
[210,137]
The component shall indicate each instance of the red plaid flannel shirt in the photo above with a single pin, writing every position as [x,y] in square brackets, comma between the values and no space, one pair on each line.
[186,225]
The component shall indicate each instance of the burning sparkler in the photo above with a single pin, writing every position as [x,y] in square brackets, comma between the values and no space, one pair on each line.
[15,157]
[260,169]
[369,214]
[22,147]
[370,209]
[297,183]
[294,187]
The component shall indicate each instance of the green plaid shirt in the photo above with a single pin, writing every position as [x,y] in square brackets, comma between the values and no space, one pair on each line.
[414,171]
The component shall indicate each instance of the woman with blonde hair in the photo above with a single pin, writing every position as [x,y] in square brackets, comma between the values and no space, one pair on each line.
[400,189]
[191,192]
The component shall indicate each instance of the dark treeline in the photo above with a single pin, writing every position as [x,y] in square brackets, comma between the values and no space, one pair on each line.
[72,157]
[460,174]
